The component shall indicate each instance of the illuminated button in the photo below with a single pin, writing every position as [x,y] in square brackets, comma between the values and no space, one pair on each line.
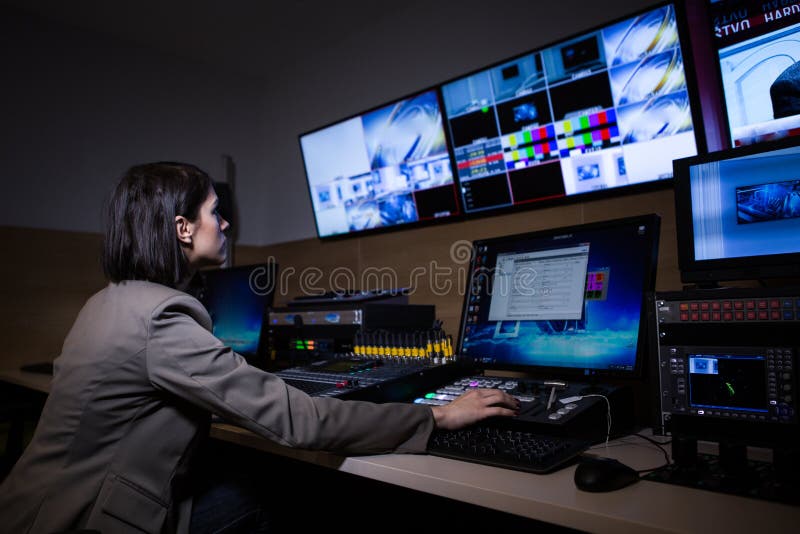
[738,305]
[751,315]
[727,305]
[727,316]
[685,307]
[787,303]
[704,306]
[685,316]
[715,316]
[694,306]
[715,305]
[739,316]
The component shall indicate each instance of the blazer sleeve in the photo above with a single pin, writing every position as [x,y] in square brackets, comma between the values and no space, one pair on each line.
[184,359]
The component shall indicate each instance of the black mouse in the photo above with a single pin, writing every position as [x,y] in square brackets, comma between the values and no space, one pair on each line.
[603,474]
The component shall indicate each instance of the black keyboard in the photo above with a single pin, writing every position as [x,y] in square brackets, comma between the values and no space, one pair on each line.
[511,449]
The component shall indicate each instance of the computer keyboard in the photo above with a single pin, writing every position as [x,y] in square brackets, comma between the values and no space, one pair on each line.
[511,449]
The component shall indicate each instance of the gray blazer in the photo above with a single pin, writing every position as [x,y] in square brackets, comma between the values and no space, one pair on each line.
[131,395]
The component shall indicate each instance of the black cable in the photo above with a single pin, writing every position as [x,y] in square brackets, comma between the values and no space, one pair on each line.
[658,444]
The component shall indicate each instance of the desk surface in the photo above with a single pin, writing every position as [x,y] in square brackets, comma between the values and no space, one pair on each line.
[643,507]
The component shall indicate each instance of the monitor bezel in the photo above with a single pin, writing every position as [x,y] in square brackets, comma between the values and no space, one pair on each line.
[692,90]
[653,221]
[711,272]
[383,229]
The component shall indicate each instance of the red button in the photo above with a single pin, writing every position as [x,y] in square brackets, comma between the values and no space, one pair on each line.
[751,315]
[695,316]
[751,305]
[775,303]
[715,316]
[762,304]
[684,316]
[694,306]
[739,305]
[704,306]
[684,306]
[775,315]
[704,316]
[739,316]
[715,305]
[728,316]
[727,305]
[763,315]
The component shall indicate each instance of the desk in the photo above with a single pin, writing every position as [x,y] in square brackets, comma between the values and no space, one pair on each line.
[643,507]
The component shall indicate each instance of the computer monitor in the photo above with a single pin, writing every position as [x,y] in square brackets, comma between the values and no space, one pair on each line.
[383,168]
[564,302]
[758,44]
[604,110]
[237,299]
[738,213]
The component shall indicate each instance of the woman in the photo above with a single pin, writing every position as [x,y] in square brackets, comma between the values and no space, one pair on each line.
[140,374]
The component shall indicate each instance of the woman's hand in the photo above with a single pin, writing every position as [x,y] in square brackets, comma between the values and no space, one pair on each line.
[474,405]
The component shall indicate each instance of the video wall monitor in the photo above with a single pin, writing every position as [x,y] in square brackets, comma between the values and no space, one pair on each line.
[738,213]
[386,167]
[758,43]
[564,302]
[606,109]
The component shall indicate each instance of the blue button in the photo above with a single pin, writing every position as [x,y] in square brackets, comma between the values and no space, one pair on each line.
[787,303]
[788,315]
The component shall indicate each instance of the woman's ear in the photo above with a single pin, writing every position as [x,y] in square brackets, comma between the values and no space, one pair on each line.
[183,229]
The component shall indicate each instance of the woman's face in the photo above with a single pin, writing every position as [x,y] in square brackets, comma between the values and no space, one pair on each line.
[208,239]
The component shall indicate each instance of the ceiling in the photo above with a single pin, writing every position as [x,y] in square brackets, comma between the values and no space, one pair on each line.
[244,36]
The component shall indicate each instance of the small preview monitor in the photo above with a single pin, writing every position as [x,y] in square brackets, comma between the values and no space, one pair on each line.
[738,213]
[604,110]
[562,302]
[758,44]
[237,299]
[384,168]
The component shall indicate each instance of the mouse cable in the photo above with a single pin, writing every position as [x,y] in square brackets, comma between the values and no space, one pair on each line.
[608,413]
[660,445]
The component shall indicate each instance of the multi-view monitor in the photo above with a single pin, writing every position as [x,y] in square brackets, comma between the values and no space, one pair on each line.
[609,108]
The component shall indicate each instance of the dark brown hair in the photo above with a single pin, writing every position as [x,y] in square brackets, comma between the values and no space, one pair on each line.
[141,242]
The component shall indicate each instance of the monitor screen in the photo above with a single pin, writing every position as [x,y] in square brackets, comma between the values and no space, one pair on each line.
[564,301]
[603,110]
[237,299]
[738,213]
[383,168]
[759,58]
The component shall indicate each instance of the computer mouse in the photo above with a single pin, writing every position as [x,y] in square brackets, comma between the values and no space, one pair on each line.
[603,474]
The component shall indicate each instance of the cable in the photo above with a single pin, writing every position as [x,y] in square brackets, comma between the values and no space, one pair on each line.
[663,450]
